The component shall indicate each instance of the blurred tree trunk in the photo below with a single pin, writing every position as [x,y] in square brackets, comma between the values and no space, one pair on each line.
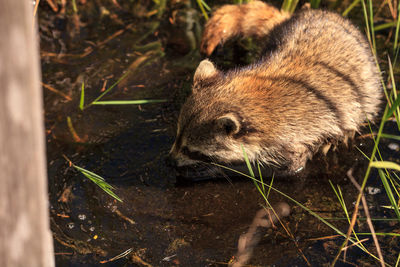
[25,237]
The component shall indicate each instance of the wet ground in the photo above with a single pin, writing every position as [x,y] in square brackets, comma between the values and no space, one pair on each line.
[165,220]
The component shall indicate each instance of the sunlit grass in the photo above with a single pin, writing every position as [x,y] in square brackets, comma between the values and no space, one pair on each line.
[203,6]
[315,3]
[350,7]
[260,185]
[97,179]
[128,102]
[289,5]
[98,101]
[391,109]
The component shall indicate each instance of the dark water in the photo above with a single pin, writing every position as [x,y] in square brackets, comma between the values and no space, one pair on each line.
[165,220]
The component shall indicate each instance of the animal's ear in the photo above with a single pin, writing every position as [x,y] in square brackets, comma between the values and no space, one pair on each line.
[228,124]
[204,71]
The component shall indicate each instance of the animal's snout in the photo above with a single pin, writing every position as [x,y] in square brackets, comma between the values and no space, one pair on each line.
[171,161]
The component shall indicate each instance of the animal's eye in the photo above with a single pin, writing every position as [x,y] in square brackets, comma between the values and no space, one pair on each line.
[229,128]
[228,125]
[185,150]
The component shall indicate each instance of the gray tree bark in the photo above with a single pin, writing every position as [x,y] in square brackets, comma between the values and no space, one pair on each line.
[25,237]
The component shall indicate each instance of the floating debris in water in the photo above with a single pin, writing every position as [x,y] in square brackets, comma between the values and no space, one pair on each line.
[71,225]
[373,190]
[169,258]
[394,146]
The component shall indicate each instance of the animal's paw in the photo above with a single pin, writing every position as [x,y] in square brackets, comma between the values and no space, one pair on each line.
[223,25]
[295,161]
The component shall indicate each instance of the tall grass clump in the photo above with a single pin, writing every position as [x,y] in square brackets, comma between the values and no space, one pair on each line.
[264,189]
[391,108]
[390,180]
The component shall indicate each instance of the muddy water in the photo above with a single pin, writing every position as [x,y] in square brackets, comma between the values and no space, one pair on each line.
[166,220]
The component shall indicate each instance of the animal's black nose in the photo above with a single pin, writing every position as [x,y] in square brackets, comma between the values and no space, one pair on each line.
[170,161]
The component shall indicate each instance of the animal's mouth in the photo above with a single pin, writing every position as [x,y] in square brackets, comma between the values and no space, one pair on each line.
[207,171]
[197,172]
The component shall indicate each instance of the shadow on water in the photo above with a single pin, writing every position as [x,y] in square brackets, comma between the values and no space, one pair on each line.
[165,221]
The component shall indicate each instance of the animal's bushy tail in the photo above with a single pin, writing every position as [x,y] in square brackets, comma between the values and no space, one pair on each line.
[255,19]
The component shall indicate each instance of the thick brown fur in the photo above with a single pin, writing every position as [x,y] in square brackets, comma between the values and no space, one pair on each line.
[253,19]
[316,83]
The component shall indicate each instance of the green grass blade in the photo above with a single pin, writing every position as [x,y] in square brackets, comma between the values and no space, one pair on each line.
[381,234]
[103,185]
[248,162]
[289,5]
[391,136]
[128,102]
[111,87]
[389,192]
[385,165]
[99,181]
[270,185]
[200,3]
[398,178]
[205,5]
[365,155]
[82,100]
[367,23]
[301,206]
[394,92]
[260,175]
[372,24]
[385,26]
[396,54]
[111,193]
[286,196]
[396,36]
[339,195]
[395,185]
[371,162]
[98,177]
[94,180]
[285,5]
[293,6]
[392,109]
[315,3]
[74,7]
[351,6]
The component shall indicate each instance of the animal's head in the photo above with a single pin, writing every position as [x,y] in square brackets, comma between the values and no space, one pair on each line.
[214,122]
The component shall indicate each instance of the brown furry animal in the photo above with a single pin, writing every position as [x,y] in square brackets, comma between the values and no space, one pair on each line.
[255,19]
[316,83]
